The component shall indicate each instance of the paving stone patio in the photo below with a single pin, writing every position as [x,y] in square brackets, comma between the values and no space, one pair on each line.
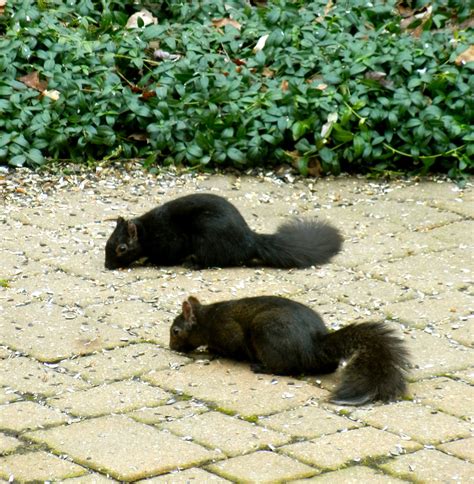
[91,393]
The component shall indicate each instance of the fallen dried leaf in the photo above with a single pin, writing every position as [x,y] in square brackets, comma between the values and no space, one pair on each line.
[420,19]
[32,80]
[267,72]
[284,85]
[466,56]
[3,3]
[222,22]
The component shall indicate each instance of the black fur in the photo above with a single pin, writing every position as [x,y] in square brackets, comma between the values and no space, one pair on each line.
[205,230]
[284,337]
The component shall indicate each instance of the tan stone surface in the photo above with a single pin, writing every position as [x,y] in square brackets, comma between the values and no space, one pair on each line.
[19,416]
[374,245]
[188,476]
[433,355]
[353,475]
[448,307]
[60,288]
[418,271]
[462,448]
[7,394]
[66,333]
[91,478]
[37,466]
[430,466]
[262,466]
[8,444]
[464,375]
[125,449]
[231,435]
[124,362]
[371,293]
[308,422]
[333,451]
[103,335]
[426,425]
[115,397]
[29,376]
[234,387]
[167,413]
[450,396]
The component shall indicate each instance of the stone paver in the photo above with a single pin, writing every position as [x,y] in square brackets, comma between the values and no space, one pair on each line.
[7,395]
[454,397]
[21,416]
[422,423]
[418,272]
[115,397]
[463,448]
[333,451]
[37,466]
[67,332]
[188,476]
[91,478]
[28,376]
[86,372]
[234,387]
[8,444]
[262,466]
[353,475]
[451,306]
[430,466]
[308,422]
[124,362]
[167,413]
[228,434]
[125,449]
[434,355]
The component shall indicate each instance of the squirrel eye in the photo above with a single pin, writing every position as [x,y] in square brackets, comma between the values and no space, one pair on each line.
[121,249]
[175,330]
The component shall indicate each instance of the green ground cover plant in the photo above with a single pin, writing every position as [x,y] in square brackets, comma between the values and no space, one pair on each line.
[336,87]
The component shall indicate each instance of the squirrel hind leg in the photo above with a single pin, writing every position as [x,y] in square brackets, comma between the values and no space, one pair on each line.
[260,368]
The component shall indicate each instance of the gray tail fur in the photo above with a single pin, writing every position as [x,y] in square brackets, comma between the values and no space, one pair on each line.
[299,243]
[377,362]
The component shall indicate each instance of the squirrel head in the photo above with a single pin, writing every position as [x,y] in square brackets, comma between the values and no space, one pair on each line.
[185,335]
[123,246]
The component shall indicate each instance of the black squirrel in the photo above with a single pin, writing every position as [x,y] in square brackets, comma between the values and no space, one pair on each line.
[206,230]
[284,337]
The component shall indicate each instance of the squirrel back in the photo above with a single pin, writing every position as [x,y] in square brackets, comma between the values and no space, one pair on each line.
[206,230]
[281,336]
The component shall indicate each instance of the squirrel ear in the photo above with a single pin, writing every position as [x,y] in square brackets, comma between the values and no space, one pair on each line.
[194,301]
[188,313]
[132,230]
[120,220]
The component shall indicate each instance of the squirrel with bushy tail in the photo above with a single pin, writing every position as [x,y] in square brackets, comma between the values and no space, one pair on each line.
[284,337]
[206,230]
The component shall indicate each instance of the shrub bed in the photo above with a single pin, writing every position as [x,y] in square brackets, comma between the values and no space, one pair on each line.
[335,87]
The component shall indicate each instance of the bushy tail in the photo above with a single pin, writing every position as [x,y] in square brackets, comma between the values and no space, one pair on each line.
[299,243]
[377,362]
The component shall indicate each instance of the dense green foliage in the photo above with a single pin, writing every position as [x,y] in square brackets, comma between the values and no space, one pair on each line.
[347,89]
